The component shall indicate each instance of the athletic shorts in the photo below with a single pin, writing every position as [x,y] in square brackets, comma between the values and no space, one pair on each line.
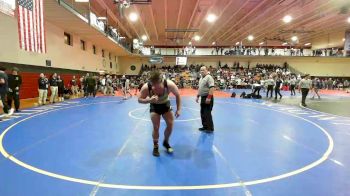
[160,109]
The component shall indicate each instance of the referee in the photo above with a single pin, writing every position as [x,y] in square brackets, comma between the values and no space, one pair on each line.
[305,85]
[205,92]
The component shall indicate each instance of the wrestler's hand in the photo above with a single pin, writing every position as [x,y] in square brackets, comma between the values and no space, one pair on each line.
[153,99]
[177,113]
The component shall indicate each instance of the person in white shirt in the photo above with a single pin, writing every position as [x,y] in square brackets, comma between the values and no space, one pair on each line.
[304,86]
[270,84]
[292,83]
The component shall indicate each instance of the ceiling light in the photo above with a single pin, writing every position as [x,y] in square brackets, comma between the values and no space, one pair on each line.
[294,38]
[250,38]
[82,1]
[349,20]
[213,43]
[285,43]
[343,39]
[261,43]
[211,17]
[197,38]
[237,43]
[133,16]
[144,37]
[287,19]
[189,43]
[307,44]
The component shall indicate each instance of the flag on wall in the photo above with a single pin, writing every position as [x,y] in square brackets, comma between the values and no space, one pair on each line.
[31,28]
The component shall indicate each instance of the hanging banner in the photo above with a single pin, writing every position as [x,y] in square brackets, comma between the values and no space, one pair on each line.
[347,43]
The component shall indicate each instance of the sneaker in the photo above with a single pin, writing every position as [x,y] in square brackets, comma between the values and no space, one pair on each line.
[155,152]
[11,111]
[202,129]
[166,145]
[209,131]
[17,111]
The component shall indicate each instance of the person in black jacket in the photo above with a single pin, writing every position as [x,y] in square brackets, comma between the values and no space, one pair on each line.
[3,91]
[15,82]
[60,84]
[43,84]
[53,87]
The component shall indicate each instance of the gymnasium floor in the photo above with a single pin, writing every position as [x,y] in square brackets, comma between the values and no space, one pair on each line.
[102,146]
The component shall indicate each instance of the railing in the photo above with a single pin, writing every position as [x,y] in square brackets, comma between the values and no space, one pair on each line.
[82,10]
[242,52]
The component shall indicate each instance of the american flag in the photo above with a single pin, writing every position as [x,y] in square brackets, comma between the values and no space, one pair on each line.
[31,28]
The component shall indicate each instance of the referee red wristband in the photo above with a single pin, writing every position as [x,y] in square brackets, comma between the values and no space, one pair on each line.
[209,96]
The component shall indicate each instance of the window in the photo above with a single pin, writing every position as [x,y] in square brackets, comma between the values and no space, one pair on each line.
[110,56]
[110,65]
[103,53]
[82,44]
[94,49]
[68,39]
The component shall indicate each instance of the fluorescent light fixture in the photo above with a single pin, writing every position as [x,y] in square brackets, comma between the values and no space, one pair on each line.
[133,16]
[250,37]
[307,44]
[285,43]
[101,18]
[261,43]
[294,38]
[82,1]
[211,18]
[237,43]
[287,19]
[189,43]
[144,37]
[197,38]
[213,43]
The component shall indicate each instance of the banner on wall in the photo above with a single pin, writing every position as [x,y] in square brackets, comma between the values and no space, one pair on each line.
[8,7]
[347,43]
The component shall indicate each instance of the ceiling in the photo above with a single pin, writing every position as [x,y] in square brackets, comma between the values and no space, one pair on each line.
[236,19]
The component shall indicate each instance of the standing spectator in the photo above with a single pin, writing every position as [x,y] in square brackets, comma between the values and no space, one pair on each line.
[82,86]
[43,86]
[292,83]
[330,84]
[270,83]
[53,88]
[3,91]
[90,83]
[74,86]
[316,85]
[60,85]
[109,85]
[15,82]
[278,87]
[305,86]
[205,92]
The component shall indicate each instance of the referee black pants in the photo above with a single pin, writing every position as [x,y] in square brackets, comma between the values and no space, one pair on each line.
[207,119]
[304,92]
[269,89]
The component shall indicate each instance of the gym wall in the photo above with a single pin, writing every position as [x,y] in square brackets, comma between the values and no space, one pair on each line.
[60,54]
